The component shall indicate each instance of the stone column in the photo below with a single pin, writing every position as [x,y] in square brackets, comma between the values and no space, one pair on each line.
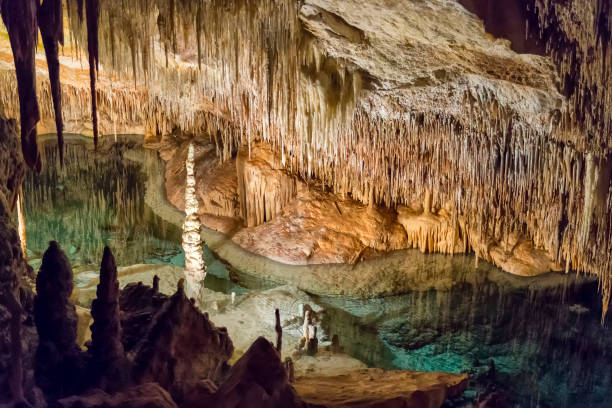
[195,268]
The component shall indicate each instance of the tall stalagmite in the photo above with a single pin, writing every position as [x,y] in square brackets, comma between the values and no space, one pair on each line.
[195,268]
[58,359]
[108,364]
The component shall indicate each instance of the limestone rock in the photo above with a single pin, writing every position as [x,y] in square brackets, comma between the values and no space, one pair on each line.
[58,358]
[216,182]
[108,364]
[149,395]
[257,380]
[378,388]
[319,227]
[181,345]
[18,336]
[264,186]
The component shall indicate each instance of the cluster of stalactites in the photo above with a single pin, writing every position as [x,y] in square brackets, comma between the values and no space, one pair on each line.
[269,81]
[23,19]
[578,36]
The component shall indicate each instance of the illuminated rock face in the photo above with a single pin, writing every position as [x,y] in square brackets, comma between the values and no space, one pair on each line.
[195,269]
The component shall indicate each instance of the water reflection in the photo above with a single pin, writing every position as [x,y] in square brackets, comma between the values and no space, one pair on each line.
[97,199]
[539,341]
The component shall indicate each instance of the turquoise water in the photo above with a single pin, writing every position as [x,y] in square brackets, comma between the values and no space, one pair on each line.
[97,199]
[535,342]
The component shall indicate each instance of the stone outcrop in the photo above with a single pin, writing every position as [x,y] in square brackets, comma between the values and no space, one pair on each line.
[18,336]
[382,389]
[257,380]
[108,363]
[148,395]
[59,363]
[180,346]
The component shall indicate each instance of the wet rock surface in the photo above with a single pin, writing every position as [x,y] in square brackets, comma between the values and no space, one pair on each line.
[18,335]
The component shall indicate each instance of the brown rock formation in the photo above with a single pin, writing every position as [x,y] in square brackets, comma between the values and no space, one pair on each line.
[181,347]
[257,380]
[148,395]
[58,358]
[319,227]
[108,363]
[382,389]
[18,337]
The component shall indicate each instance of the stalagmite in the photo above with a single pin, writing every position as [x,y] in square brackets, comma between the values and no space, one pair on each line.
[279,330]
[58,356]
[195,268]
[108,363]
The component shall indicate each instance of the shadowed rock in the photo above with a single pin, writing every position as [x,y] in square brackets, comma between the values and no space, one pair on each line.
[18,338]
[58,359]
[181,347]
[143,396]
[259,380]
[108,364]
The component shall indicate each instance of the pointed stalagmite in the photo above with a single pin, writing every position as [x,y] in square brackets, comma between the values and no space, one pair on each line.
[58,357]
[108,364]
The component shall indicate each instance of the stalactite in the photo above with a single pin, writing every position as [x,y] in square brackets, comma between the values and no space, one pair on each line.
[195,268]
[92,10]
[20,19]
[51,23]
[264,79]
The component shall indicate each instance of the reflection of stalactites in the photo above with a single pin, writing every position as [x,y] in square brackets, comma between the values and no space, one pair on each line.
[20,20]
[195,268]
[50,21]
[21,221]
[92,10]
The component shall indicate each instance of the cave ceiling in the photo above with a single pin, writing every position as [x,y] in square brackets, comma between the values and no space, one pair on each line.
[502,113]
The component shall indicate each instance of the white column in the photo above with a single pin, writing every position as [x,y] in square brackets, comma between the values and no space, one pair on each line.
[195,269]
